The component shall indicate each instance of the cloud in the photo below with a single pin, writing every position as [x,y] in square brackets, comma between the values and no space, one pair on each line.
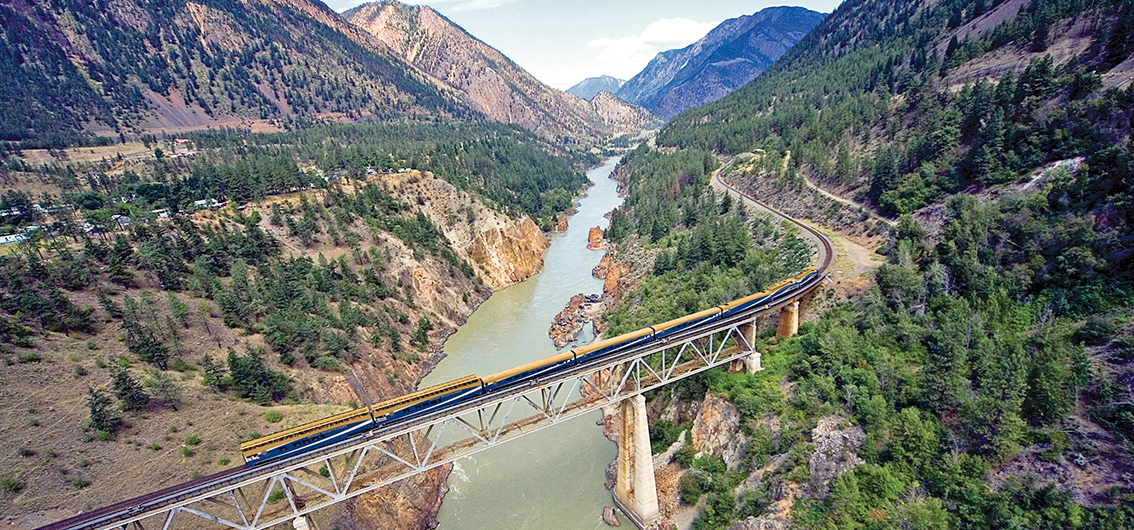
[626,56]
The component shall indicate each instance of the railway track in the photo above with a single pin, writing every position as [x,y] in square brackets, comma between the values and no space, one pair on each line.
[826,250]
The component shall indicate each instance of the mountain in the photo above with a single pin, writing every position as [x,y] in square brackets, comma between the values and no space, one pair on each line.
[73,67]
[591,86]
[491,82]
[727,58]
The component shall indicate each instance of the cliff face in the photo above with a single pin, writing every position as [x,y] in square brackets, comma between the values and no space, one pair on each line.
[508,254]
[491,82]
[727,58]
[503,251]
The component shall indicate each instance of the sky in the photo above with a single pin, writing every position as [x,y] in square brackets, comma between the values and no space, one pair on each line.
[562,42]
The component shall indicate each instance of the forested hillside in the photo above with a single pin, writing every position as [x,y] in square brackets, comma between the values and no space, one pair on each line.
[983,380]
[76,67]
[188,289]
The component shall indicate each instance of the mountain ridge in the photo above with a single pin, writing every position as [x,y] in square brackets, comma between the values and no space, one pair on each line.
[494,84]
[729,56]
[133,66]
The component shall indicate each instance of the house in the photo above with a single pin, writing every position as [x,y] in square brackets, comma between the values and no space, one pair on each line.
[14,238]
[211,204]
[123,221]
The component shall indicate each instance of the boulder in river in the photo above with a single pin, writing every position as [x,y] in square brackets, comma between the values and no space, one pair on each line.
[608,516]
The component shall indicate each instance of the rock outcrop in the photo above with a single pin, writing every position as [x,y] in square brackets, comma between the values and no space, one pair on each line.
[410,504]
[836,451]
[610,286]
[603,266]
[594,238]
[567,325]
[716,430]
[503,251]
[509,254]
[608,516]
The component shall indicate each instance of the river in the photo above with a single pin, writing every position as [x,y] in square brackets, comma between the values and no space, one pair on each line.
[551,479]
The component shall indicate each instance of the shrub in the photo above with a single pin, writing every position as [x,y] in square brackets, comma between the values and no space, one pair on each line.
[25,452]
[1096,331]
[80,482]
[684,456]
[154,447]
[11,484]
[689,488]
[192,439]
[662,435]
[277,495]
[223,461]
[30,357]
[186,451]
[103,419]
[273,416]
[326,362]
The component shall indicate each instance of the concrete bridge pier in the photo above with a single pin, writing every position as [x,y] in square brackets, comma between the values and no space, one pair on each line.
[635,492]
[750,363]
[789,321]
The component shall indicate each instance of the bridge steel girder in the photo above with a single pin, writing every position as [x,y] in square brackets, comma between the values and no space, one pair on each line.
[275,494]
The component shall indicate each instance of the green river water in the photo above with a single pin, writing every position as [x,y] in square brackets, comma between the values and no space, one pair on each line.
[551,479]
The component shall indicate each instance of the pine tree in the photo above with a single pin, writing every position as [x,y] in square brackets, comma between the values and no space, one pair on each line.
[129,392]
[164,388]
[103,418]
[212,373]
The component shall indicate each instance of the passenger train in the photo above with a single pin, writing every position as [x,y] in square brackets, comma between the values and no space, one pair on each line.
[335,429]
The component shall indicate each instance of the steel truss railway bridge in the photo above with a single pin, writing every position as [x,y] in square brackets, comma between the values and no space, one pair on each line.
[250,498]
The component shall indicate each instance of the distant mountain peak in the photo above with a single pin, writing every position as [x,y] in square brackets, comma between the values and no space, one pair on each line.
[490,81]
[592,86]
[727,58]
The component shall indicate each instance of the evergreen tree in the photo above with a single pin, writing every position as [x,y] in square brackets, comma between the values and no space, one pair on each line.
[164,388]
[212,373]
[103,419]
[129,392]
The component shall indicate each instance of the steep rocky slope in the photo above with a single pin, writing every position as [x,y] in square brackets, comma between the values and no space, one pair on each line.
[728,57]
[492,83]
[44,385]
[131,66]
[591,86]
